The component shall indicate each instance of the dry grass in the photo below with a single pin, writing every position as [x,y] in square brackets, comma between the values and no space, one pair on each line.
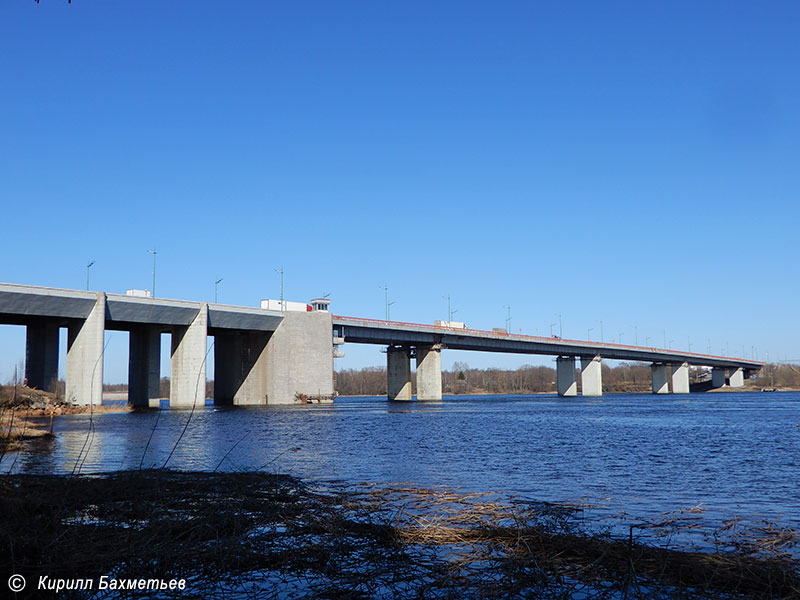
[248,535]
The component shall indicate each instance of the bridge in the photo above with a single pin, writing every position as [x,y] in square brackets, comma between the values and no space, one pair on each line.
[281,357]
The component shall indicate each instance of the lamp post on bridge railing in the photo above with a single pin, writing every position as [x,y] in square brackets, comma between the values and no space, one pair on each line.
[385,289]
[153,252]
[216,290]
[508,319]
[589,334]
[283,307]
[88,266]
[450,311]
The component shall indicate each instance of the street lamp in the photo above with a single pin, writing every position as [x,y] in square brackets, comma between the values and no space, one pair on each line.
[89,266]
[619,341]
[216,290]
[589,333]
[153,252]
[385,289]
[551,328]
[601,331]
[508,319]
[560,328]
[283,308]
[450,312]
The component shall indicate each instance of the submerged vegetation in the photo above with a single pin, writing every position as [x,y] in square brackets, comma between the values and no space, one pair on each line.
[251,535]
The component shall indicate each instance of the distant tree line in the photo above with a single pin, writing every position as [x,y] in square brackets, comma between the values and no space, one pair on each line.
[528,379]
[625,377]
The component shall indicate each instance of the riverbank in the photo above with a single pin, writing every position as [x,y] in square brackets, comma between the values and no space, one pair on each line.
[27,413]
[254,535]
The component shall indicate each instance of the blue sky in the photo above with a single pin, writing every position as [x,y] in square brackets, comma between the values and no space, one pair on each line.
[635,163]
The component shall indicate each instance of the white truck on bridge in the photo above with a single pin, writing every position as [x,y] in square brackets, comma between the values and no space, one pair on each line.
[450,324]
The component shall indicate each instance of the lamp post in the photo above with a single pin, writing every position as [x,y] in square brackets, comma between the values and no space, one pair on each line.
[216,290]
[589,334]
[153,252]
[560,328]
[508,319]
[283,308]
[450,311]
[601,331]
[88,266]
[619,340]
[385,289]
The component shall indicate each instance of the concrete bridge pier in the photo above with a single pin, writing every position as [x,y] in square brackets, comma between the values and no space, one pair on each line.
[85,356]
[658,375]
[144,366]
[398,373]
[591,376]
[41,355]
[240,367]
[188,362]
[736,378]
[680,378]
[565,376]
[718,377]
[429,372]
[298,360]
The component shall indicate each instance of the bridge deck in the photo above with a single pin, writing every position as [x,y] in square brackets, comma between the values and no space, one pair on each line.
[373,331]
[20,304]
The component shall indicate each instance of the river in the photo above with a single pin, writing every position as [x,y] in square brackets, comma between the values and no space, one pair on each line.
[724,455]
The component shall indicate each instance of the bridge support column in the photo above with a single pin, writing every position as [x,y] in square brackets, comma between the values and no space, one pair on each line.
[85,356]
[718,376]
[240,368]
[41,355]
[658,375]
[429,373]
[591,376]
[398,373]
[565,376]
[188,362]
[298,361]
[144,366]
[737,378]
[680,378]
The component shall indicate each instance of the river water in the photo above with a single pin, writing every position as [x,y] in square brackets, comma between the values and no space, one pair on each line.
[724,454]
